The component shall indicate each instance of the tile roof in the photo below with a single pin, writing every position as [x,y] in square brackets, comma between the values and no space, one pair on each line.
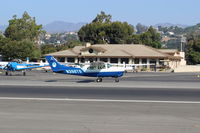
[115,50]
[168,51]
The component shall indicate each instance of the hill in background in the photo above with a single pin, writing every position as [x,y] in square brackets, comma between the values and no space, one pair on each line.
[61,26]
[170,24]
[57,27]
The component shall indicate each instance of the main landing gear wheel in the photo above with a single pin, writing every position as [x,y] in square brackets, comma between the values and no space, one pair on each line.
[99,80]
[6,73]
[116,79]
[24,73]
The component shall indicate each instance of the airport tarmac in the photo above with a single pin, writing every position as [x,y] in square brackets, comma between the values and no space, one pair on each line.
[143,79]
[141,102]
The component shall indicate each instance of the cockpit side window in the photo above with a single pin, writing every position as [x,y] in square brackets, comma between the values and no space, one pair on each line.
[96,66]
[92,67]
[101,66]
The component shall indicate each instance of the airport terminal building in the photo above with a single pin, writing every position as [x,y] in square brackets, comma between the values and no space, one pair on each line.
[122,54]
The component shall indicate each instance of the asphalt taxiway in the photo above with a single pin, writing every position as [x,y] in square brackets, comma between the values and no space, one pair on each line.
[145,80]
[141,102]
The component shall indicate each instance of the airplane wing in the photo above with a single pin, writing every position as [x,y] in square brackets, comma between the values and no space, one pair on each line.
[29,67]
[3,65]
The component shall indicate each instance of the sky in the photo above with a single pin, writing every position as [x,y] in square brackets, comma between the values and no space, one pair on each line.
[148,12]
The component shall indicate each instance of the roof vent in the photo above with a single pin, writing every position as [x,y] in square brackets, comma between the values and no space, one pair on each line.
[90,50]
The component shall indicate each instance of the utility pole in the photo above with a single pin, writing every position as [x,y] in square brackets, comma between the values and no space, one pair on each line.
[183,40]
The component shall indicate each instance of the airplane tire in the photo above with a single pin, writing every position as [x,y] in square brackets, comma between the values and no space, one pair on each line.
[6,73]
[116,79]
[99,80]
[24,73]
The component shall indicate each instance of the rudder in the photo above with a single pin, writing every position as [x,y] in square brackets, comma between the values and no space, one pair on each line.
[54,64]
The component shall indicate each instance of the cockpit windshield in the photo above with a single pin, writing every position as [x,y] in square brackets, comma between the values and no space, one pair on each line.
[17,61]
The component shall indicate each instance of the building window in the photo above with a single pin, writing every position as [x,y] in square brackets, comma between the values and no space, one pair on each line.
[82,60]
[136,61]
[91,59]
[144,61]
[104,59]
[161,62]
[152,64]
[70,59]
[61,59]
[124,60]
[152,61]
[113,60]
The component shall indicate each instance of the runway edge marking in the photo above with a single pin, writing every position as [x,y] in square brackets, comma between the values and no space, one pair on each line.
[99,100]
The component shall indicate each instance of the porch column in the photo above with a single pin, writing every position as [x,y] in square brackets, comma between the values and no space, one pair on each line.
[65,59]
[133,61]
[130,61]
[75,60]
[140,61]
[157,62]
[148,63]
[119,60]
[108,60]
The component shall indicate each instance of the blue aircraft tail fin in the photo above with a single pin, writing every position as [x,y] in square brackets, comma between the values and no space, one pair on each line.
[59,68]
[54,64]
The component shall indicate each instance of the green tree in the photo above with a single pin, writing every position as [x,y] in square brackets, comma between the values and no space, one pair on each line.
[20,38]
[119,32]
[102,18]
[193,49]
[151,38]
[102,30]
[3,42]
[46,49]
[141,28]
[136,39]
[23,28]
[73,43]
[20,49]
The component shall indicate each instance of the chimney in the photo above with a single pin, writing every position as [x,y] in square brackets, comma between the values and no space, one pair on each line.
[88,44]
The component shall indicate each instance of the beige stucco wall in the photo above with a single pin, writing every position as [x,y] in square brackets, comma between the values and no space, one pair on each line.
[188,68]
[183,61]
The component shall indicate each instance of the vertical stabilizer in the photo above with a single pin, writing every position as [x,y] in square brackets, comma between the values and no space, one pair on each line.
[59,68]
[54,64]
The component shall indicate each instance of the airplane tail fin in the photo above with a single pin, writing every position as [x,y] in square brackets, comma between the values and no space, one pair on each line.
[59,68]
[54,64]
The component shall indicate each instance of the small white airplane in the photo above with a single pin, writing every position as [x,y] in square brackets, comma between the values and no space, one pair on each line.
[18,65]
[95,69]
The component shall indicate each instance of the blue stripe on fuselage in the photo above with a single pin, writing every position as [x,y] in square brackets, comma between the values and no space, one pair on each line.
[104,74]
